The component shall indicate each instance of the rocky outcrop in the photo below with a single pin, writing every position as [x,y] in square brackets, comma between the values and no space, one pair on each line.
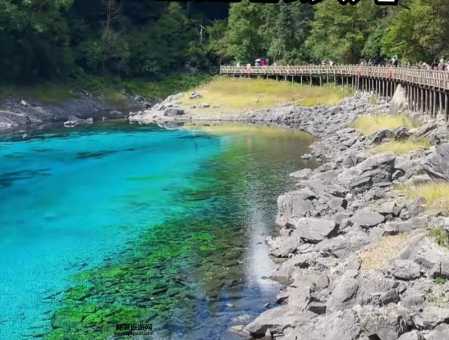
[437,165]
[166,111]
[354,255]
[20,115]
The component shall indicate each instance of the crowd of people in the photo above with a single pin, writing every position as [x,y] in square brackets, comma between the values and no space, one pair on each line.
[441,65]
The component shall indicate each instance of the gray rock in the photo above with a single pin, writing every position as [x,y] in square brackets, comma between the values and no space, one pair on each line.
[275,319]
[425,129]
[437,165]
[441,332]
[366,218]
[361,184]
[430,317]
[405,270]
[440,270]
[282,246]
[173,111]
[341,325]
[401,133]
[312,229]
[195,95]
[389,208]
[293,205]
[301,174]
[376,289]
[378,161]
[317,307]
[344,292]
[314,279]
[413,335]
[384,323]
[379,136]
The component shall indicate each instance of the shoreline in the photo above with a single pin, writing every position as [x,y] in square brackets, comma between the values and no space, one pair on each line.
[355,256]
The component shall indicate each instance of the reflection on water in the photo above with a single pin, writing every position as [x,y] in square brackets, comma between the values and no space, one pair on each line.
[172,235]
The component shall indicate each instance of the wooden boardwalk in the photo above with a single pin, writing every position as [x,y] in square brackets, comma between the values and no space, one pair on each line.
[426,90]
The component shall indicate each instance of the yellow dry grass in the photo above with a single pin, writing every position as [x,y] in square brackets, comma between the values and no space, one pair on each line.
[402,147]
[380,254]
[240,94]
[369,124]
[435,194]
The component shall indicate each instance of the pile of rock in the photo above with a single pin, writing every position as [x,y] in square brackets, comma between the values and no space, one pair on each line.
[355,256]
[166,111]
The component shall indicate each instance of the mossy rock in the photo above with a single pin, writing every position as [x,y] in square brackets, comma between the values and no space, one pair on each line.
[71,317]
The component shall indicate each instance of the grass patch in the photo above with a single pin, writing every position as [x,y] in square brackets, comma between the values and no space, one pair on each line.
[112,90]
[439,280]
[238,95]
[440,236]
[369,124]
[47,93]
[402,147]
[384,251]
[435,194]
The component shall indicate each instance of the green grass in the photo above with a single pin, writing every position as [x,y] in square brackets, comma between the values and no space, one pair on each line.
[369,124]
[439,280]
[435,194]
[402,147]
[112,90]
[48,93]
[239,95]
[440,236]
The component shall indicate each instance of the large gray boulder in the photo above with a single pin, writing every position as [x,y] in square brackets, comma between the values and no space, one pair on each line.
[344,292]
[405,270]
[275,320]
[437,165]
[441,332]
[311,229]
[366,218]
[385,323]
[341,325]
[294,204]
[430,317]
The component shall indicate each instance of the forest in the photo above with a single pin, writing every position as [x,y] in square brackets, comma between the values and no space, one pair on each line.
[60,39]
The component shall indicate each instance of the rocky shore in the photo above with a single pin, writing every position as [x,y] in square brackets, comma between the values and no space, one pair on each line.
[22,115]
[355,255]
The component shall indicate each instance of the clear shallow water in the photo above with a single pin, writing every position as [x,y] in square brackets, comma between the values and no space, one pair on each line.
[113,225]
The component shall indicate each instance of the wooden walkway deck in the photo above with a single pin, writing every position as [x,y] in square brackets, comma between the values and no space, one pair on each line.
[426,90]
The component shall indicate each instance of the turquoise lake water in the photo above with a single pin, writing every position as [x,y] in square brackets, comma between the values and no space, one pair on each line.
[120,224]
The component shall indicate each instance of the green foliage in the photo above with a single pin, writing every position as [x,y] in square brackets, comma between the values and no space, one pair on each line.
[65,38]
[243,36]
[340,32]
[419,31]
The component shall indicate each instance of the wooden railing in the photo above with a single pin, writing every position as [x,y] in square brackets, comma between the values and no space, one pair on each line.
[431,78]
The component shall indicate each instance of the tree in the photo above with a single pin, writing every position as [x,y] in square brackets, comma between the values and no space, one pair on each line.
[245,41]
[291,29]
[419,31]
[34,39]
[340,32]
